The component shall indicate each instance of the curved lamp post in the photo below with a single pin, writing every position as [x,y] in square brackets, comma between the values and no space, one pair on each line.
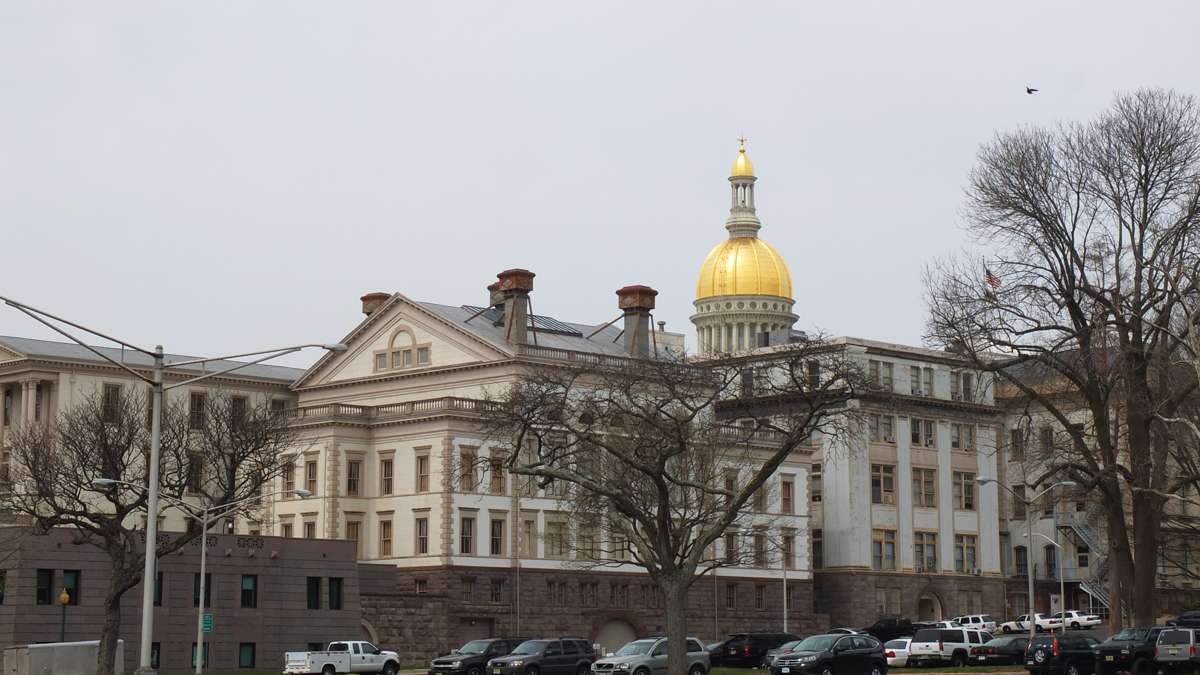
[1028,502]
[204,517]
[1062,588]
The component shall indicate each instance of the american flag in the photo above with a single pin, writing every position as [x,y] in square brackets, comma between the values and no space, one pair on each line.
[992,279]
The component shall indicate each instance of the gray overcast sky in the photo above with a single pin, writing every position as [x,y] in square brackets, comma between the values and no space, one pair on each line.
[226,176]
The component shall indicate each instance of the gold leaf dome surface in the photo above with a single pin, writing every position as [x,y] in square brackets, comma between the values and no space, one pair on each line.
[744,266]
[742,166]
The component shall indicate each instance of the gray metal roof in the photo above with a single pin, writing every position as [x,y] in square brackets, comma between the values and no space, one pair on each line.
[600,343]
[69,351]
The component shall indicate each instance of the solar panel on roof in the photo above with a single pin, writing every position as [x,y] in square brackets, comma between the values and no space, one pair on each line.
[537,322]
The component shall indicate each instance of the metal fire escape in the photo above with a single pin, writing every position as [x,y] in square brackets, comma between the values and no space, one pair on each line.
[1076,526]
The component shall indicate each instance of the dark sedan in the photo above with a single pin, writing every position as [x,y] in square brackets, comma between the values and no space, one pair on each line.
[1001,651]
[833,655]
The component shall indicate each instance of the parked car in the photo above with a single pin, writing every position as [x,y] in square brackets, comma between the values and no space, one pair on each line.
[348,656]
[888,628]
[1000,651]
[948,623]
[1130,650]
[945,645]
[843,631]
[781,649]
[1175,651]
[714,653]
[649,657]
[1189,619]
[1062,654]
[565,656]
[896,652]
[1076,620]
[749,649]
[977,621]
[472,658]
[1041,622]
[833,654]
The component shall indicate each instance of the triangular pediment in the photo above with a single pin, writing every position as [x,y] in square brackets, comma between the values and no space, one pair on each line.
[9,354]
[399,326]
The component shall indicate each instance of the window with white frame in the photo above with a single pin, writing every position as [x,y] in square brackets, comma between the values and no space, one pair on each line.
[964,491]
[924,487]
[881,428]
[962,437]
[883,484]
[881,374]
[925,552]
[923,432]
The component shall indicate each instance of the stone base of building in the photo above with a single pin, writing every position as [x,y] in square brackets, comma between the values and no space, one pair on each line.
[857,598]
[427,612]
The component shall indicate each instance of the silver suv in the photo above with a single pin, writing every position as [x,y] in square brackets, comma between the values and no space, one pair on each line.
[649,657]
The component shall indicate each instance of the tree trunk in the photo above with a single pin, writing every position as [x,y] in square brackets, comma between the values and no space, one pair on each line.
[1147,518]
[675,594]
[106,655]
[1120,565]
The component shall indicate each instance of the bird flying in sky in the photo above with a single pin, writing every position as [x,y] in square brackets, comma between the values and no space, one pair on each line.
[1030,90]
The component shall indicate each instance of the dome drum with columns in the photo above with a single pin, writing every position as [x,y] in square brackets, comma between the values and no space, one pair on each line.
[745,288]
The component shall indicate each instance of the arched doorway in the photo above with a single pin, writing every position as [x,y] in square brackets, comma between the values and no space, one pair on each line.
[613,635]
[929,608]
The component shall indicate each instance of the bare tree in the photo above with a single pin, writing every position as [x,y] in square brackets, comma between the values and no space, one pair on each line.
[215,455]
[1085,227]
[649,471]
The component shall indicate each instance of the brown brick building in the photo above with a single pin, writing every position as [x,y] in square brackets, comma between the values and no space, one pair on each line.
[259,597]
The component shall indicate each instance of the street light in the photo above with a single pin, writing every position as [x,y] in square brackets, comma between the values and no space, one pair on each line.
[157,389]
[1062,588]
[64,599]
[207,514]
[1028,502]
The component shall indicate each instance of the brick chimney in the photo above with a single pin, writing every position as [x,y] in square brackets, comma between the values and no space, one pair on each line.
[636,302]
[495,297]
[514,287]
[373,301]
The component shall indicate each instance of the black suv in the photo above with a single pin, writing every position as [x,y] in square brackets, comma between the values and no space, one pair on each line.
[1061,654]
[1130,650]
[1189,619]
[750,649]
[560,656]
[888,628]
[472,658]
[833,655]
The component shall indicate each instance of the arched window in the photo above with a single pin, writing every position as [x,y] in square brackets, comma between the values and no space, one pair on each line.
[403,351]
[1021,558]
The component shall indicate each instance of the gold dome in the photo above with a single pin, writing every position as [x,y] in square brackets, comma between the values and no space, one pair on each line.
[744,266]
[742,165]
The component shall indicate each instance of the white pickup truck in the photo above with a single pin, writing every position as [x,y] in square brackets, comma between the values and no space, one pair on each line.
[347,656]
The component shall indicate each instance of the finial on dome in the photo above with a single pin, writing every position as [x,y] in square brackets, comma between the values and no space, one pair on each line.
[741,164]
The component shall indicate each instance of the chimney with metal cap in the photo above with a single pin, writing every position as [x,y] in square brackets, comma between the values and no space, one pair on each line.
[495,297]
[373,301]
[514,286]
[636,302]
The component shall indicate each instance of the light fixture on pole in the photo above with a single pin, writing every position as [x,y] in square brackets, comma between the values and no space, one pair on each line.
[157,389]
[1028,502]
[64,599]
[207,515]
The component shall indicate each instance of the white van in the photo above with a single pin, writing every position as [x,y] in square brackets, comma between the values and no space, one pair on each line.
[978,621]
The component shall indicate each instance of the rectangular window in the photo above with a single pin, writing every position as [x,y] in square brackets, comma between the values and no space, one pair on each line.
[385,538]
[1083,555]
[496,475]
[195,472]
[964,491]
[730,596]
[1018,502]
[354,534]
[883,549]
[285,530]
[818,550]
[497,536]
[289,479]
[529,536]
[760,596]
[924,486]
[385,477]
[204,660]
[207,590]
[45,587]
[381,361]
[466,536]
[314,592]
[814,483]
[1016,444]
[759,499]
[731,549]
[882,428]
[962,437]
[466,477]
[589,547]
[238,406]
[110,405]
[245,654]
[408,357]
[353,477]
[925,552]
[421,586]
[914,380]
[883,484]
[786,489]
[158,590]
[556,539]
[422,356]
[468,589]
[310,476]
[964,554]
[789,551]
[497,591]
[249,591]
[1047,440]
[924,433]
[422,532]
[881,374]
[156,655]
[310,530]
[72,584]
[197,410]
[760,549]
[422,473]
[336,592]
[814,374]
